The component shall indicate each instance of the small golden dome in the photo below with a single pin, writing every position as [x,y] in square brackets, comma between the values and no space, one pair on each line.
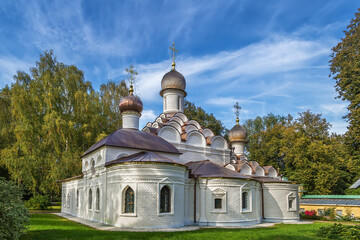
[173,80]
[237,133]
[131,103]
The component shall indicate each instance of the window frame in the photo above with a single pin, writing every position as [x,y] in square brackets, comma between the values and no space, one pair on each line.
[166,199]
[125,185]
[77,198]
[291,197]
[90,200]
[218,193]
[249,190]
[97,200]
[171,185]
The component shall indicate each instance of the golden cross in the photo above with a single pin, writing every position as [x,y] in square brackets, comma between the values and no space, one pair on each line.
[131,77]
[237,111]
[174,51]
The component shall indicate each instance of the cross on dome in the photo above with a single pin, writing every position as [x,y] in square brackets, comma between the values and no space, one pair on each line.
[237,111]
[174,51]
[131,77]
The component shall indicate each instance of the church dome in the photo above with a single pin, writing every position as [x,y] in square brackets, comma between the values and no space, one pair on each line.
[173,80]
[237,133]
[131,103]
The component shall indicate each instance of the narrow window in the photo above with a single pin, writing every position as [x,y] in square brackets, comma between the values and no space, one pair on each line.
[178,107]
[92,167]
[68,200]
[97,199]
[77,198]
[129,200]
[165,200]
[218,203]
[90,199]
[291,203]
[244,200]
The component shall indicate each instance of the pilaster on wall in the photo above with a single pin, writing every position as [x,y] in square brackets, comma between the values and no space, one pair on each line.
[202,185]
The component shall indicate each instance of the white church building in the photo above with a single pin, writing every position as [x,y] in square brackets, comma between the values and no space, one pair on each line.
[175,173]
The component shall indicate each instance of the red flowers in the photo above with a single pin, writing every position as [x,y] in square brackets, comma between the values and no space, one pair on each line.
[310,213]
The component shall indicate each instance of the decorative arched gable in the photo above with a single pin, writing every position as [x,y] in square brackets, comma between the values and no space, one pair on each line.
[170,134]
[208,133]
[195,138]
[246,169]
[176,125]
[271,172]
[190,127]
[231,167]
[195,123]
[259,171]
[177,119]
[182,116]
[219,142]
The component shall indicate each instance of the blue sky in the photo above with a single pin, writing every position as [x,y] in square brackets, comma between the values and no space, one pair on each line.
[270,56]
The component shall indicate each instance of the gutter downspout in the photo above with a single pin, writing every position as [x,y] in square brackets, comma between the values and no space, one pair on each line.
[195,199]
[262,200]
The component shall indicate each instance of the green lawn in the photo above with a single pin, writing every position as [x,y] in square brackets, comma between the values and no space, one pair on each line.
[49,226]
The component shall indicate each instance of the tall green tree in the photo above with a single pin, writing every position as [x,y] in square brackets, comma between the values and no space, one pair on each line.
[205,119]
[55,116]
[302,150]
[345,70]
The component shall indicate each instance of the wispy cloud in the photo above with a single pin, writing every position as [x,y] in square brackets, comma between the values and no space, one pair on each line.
[338,109]
[274,55]
[9,66]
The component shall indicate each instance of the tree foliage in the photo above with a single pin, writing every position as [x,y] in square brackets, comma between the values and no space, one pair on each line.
[302,150]
[51,116]
[205,119]
[345,69]
[14,216]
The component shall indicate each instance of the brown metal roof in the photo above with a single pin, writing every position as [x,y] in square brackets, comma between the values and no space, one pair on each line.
[132,138]
[208,169]
[143,157]
[70,178]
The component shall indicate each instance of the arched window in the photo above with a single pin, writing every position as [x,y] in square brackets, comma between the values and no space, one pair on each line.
[165,198]
[129,200]
[244,200]
[90,199]
[77,198]
[92,167]
[291,203]
[97,199]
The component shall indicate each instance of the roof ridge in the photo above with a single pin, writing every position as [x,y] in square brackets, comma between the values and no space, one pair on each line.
[203,161]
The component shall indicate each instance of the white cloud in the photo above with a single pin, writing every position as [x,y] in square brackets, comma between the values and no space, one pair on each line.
[338,109]
[339,127]
[147,116]
[8,68]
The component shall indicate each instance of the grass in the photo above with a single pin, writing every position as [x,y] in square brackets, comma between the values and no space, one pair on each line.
[51,209]
[49,226]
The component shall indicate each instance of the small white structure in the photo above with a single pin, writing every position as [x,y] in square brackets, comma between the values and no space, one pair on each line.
[175,173]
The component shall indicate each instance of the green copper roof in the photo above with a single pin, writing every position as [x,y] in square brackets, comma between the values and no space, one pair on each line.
[331,196]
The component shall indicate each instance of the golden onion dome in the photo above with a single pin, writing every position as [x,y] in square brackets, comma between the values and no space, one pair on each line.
[173,80]
[131,103]
[237,133]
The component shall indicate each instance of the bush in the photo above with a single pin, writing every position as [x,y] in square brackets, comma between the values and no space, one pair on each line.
[38,202]
[309,215]
[339,231]
[14,216]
